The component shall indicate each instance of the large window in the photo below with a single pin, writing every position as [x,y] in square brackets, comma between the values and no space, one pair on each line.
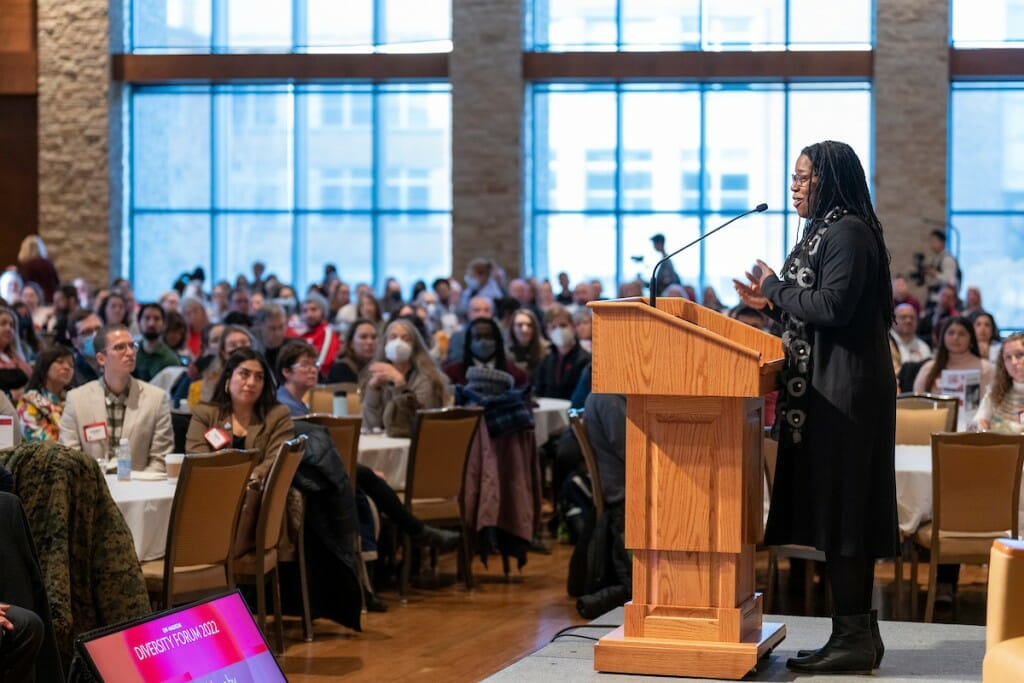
[613,165]
[566,25]
[295,176]
[986,199]
[207,26]
[987,23]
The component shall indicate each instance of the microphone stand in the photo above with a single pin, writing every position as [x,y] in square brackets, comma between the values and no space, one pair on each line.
[654,274]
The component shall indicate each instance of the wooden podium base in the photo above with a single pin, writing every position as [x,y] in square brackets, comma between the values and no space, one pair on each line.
[705,659]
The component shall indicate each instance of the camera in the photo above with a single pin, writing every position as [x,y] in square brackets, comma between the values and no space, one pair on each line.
[917,275]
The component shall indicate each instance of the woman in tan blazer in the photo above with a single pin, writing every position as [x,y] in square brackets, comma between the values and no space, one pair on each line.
[243,412]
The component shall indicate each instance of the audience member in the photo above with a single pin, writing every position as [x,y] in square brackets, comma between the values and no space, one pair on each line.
[972,303]
[42,404]
[910,348]
[270,326]
[564,296]
[114,309]
[1003,405]
[170,301]
[99,414]
[901,294]
[481,282]
[942,269]
[957,350]
[483,346]
[318,333]
[526,345]
[562,368]
[83,329]
[402,379]
[583,320]
[196,319]
[176,335]
[987,332]
[11,354]
[360,347]
[35,266]
[479,307]
[369,309]
[153,354]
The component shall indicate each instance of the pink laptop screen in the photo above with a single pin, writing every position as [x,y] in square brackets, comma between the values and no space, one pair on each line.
[211,641]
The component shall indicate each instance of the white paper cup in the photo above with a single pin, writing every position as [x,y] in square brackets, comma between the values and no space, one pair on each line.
[173,462]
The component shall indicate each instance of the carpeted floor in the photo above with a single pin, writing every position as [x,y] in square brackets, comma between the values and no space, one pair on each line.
[914,652]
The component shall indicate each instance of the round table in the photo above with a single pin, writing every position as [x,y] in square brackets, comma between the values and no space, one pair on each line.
[146,507]
[386,455]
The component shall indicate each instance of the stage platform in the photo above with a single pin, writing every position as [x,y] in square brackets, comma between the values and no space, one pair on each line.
[913,652]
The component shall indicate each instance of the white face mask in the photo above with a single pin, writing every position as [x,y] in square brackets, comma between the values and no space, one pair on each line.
[563,337]
[398,350]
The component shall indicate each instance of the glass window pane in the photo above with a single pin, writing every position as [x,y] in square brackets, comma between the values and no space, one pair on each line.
[254,134]
[339,26]
[987,151]
[335,136]
[244,238]
[170,149]
[661,149]
[754,24]
[743,148]
[165,245]
[416,247]
[661,24]
[992,259]
[727,254]
[415,150]
[639,256]
[171,25]
[833,25]
[574,25]
[583,246]
[257,24]
[345,241]
[416,26]
[574,135]
[991,23]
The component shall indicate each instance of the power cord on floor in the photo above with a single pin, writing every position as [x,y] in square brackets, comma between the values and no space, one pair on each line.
[565,631]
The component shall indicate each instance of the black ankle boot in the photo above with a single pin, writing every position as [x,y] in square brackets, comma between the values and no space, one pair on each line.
[442,539]
[850,649]
[876,637]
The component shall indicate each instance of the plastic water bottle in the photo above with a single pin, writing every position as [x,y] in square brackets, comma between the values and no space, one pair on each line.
[124,461]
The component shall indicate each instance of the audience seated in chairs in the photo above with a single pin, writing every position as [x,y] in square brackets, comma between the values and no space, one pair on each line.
[86,551]
[42,404]
[483,346]
[360,347]
[527,346]
[561,370]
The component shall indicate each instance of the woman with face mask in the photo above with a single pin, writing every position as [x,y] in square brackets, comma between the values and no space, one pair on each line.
[562,368]
[483,347]
[402,375]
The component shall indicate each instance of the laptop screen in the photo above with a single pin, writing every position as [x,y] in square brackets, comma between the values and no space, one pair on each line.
[212,640]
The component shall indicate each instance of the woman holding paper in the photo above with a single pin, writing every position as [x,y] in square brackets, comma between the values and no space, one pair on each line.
[835,480]
[957,350]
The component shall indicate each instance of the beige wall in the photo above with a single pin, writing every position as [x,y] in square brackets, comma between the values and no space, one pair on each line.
[79,151]
[74,134]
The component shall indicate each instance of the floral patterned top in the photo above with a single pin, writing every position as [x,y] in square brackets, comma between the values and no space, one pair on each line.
[40,413]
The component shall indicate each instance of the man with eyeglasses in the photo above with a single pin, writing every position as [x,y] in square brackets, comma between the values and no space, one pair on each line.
[99,414]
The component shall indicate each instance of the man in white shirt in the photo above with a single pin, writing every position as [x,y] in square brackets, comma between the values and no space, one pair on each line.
[100,413]
[912,349]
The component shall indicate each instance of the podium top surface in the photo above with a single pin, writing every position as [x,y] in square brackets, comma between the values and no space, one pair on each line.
[679,349]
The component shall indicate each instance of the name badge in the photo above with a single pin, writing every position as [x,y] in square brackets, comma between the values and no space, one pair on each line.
[6,431]
[95,432]
[217,438]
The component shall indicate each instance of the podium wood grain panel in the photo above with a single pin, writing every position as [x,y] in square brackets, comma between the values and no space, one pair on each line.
[693,381]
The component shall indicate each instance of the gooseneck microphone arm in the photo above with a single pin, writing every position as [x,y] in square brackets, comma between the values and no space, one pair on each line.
[654,273]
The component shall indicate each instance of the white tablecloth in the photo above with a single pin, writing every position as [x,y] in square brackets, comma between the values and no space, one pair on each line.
[550,417]
[146,506]
[914,487]
[387,455]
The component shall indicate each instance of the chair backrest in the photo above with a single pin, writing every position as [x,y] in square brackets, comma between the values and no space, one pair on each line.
[344,433]
[275,493]
[204,513]
[771,457]
[321,398]
[579,429]
[976,482]
[441,440]
[918,416]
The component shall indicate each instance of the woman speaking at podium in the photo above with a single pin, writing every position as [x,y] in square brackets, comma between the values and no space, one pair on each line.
[835,484]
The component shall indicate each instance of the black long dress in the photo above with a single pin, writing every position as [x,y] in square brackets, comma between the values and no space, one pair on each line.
[835,483]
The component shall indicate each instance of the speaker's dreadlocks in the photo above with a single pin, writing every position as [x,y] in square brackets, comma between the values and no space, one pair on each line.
[841,183]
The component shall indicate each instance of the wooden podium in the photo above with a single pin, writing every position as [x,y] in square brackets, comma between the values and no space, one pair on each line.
[693,381]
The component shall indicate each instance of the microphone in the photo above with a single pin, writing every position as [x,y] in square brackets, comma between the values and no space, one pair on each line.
[654,273]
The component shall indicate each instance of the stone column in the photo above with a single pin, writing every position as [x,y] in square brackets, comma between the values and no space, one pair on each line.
[487,104]
[911,99]
[74,135]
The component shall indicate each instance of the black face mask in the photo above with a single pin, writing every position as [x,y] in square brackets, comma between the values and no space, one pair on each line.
[150,335]
[483,349]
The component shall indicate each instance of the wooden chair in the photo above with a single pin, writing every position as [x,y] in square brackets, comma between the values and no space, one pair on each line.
[344,433]
[260,564]
[321,398]
[204,515]
[1004,620]
[807,553]
[579,430]
[975,494]
[441,441]
[918,416]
